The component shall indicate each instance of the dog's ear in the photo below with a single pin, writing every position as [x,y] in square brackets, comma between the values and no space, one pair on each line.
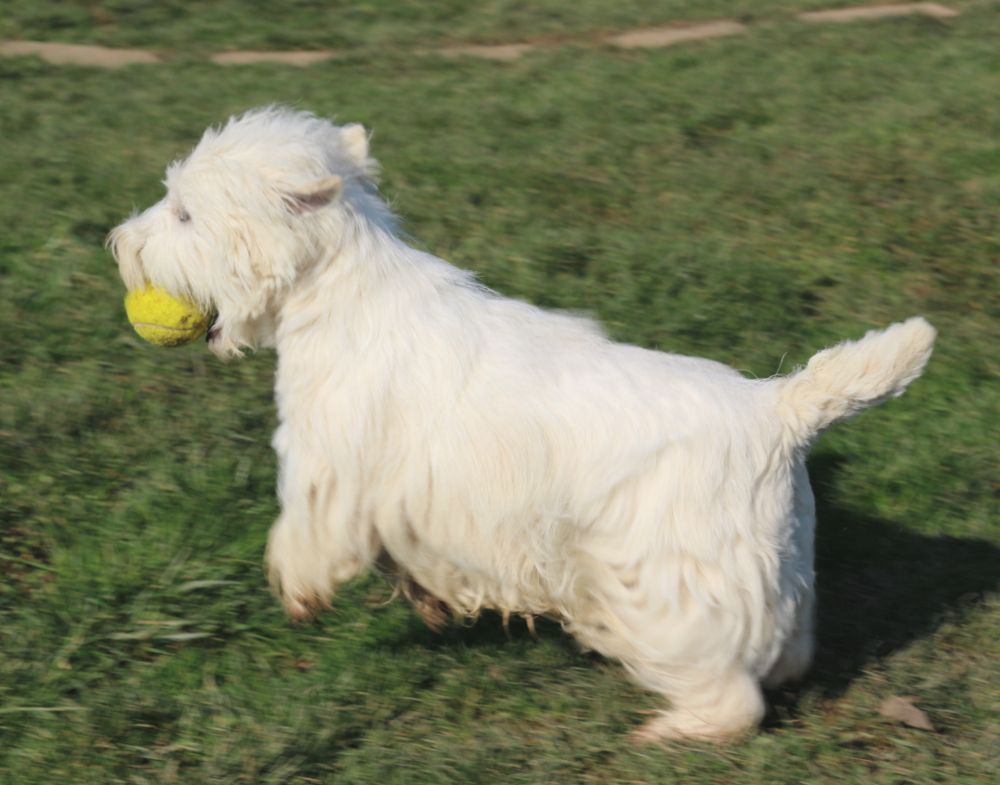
[316,196]
[355,140]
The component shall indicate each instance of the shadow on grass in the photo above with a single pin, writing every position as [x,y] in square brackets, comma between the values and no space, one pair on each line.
[881,587]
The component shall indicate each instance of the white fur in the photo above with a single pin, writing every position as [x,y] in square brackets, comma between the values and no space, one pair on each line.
[499,455]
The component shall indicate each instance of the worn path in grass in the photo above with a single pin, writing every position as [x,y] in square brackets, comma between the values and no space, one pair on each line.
[639,38]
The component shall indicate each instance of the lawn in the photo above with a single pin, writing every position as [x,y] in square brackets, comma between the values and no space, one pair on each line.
[194,25]
[750,199]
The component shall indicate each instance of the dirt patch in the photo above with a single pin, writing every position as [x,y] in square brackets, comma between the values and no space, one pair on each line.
[251,57]
[879,12]
[497,52]
[667,35]
[76,54]
[639,38]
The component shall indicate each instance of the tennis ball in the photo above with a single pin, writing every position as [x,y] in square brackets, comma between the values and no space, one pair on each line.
[163,319]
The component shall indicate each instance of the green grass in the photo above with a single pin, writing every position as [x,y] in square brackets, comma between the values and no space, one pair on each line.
[192,25]
[750,200]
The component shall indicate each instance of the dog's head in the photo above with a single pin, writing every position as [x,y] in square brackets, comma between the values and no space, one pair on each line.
[258,201]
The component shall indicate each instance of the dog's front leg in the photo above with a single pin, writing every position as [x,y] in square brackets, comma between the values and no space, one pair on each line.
[322,537]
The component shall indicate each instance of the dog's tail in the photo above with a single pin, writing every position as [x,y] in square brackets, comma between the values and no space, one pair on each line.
[846,379]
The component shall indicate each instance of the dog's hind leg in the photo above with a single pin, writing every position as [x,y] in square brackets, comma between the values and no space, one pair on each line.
[712,696]
[710,705]
[797,652]
[798,647]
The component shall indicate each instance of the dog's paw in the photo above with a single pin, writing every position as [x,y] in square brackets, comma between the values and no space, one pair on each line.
[726,707]
[301,608]
[681,725]
[432,610]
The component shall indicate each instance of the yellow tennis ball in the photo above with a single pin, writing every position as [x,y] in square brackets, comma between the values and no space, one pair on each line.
[163,319]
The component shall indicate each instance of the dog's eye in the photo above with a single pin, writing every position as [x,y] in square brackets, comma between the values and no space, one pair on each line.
[183,216]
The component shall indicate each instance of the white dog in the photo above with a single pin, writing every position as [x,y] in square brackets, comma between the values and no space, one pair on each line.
[502,456]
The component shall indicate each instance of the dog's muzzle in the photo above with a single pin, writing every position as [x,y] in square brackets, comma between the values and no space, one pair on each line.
[214,330]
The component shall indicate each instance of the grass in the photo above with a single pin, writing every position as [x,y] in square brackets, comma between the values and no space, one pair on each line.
[750,200]
[188,25]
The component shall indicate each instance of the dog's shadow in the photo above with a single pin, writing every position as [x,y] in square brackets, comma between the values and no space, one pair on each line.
[880,587]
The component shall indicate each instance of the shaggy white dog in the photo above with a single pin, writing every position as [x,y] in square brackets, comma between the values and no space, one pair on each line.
[498,455]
